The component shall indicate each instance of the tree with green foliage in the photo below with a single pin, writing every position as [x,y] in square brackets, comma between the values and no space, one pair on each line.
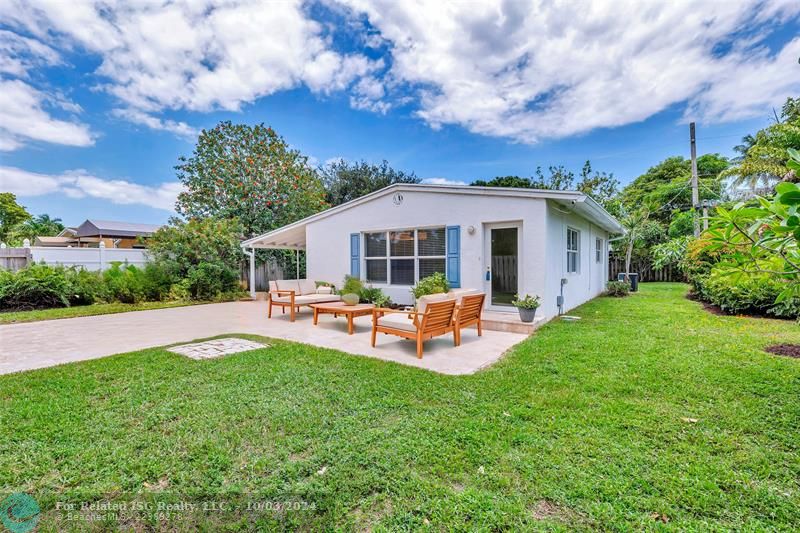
[764,160]
[763,239]
[666,187]
[39,226]
[248,173]
[202,256]
[11,214]
[601,186]
[184,245]
[505,181]
[345,181]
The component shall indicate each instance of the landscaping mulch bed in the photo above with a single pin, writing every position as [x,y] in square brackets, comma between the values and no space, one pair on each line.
[717,310]
[788,350]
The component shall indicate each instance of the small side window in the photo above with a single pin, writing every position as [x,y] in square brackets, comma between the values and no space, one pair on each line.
[573,250]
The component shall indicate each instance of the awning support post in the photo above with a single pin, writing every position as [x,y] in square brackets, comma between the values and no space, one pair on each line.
[252,254]
[297,261]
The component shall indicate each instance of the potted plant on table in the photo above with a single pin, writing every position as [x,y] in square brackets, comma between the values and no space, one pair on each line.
[527,306]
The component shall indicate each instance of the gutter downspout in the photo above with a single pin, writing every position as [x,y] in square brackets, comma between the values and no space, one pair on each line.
[252,254]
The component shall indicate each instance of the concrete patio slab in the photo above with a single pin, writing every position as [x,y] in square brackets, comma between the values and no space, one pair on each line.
[53,342]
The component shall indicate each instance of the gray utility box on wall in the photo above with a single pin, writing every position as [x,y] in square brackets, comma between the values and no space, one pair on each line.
[634,277]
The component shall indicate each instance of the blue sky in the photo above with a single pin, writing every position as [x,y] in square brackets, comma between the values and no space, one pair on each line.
[96,105]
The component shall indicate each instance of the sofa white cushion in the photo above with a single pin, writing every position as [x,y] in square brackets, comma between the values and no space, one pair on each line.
[458,294]
[288,285]
[307,286]
[423,301]
[324,290]
[273,286]
[305,299]
[397,321]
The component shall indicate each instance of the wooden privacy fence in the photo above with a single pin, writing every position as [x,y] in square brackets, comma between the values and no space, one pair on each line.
[265,272]
[644,268]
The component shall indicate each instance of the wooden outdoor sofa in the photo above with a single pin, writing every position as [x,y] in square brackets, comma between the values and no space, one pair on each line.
[295,293]
[436,315]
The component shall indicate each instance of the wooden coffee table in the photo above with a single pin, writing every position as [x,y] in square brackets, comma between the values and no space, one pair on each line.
[341,309]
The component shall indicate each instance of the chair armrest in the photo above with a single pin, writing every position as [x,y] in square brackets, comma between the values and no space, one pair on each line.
[290,294]
[283,293]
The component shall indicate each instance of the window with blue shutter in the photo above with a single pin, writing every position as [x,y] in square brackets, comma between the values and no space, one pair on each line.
[454,256]
[355,255]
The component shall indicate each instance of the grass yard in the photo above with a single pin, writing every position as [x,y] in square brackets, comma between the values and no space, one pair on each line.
[14,317]
[650,413]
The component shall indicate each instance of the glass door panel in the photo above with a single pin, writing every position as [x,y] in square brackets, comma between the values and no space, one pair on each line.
[504,256]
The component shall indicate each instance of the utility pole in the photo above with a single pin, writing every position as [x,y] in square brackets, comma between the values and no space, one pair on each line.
[705,215]
[695,186]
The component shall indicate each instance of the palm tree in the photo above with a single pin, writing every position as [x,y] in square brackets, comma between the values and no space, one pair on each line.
[39,226]
[633,223]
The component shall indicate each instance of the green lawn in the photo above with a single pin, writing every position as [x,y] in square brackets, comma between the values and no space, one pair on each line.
[650,413]
[13,317]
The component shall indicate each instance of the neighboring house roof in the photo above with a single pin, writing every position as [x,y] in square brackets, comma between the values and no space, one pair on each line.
[68,232]
[292,236]
[53,241]
[111,228]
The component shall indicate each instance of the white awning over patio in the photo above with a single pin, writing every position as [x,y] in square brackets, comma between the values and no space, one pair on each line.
[291,237]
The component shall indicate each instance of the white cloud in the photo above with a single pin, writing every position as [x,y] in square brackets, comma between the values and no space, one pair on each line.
[533,70]
[197,56]
[179,128]
[80,184]
[524,70]
[443,181]
[23,117]
[19,54]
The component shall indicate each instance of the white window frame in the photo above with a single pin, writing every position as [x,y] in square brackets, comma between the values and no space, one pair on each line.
[576,251]
[598,250]
[388,257]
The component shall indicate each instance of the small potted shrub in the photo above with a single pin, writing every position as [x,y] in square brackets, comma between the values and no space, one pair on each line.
[527,306]
[351,288]
[618,288]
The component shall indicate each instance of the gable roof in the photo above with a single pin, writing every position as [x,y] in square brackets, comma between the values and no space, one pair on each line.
[112,228]
[579,202]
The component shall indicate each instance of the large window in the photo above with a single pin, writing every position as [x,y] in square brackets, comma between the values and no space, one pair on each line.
[402,257]
[573,250]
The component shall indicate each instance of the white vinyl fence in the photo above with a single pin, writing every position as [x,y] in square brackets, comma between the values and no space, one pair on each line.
[99,258]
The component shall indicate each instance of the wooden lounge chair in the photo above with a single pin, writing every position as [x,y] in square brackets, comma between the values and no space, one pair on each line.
[294,293]
[468,313]
[434,318]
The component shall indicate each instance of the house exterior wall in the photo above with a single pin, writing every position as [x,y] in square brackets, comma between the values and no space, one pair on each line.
[542,252]
[589,281]
[328,240]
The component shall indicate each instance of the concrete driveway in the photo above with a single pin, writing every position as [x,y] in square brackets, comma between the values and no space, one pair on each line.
[53,342]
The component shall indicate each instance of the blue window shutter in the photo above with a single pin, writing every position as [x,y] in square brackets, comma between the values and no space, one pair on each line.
[355,255]
[454,256]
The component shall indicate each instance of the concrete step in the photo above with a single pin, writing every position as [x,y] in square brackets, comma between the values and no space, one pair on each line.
[510,322]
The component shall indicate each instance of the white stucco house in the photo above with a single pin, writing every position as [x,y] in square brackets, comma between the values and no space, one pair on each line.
[502,240]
